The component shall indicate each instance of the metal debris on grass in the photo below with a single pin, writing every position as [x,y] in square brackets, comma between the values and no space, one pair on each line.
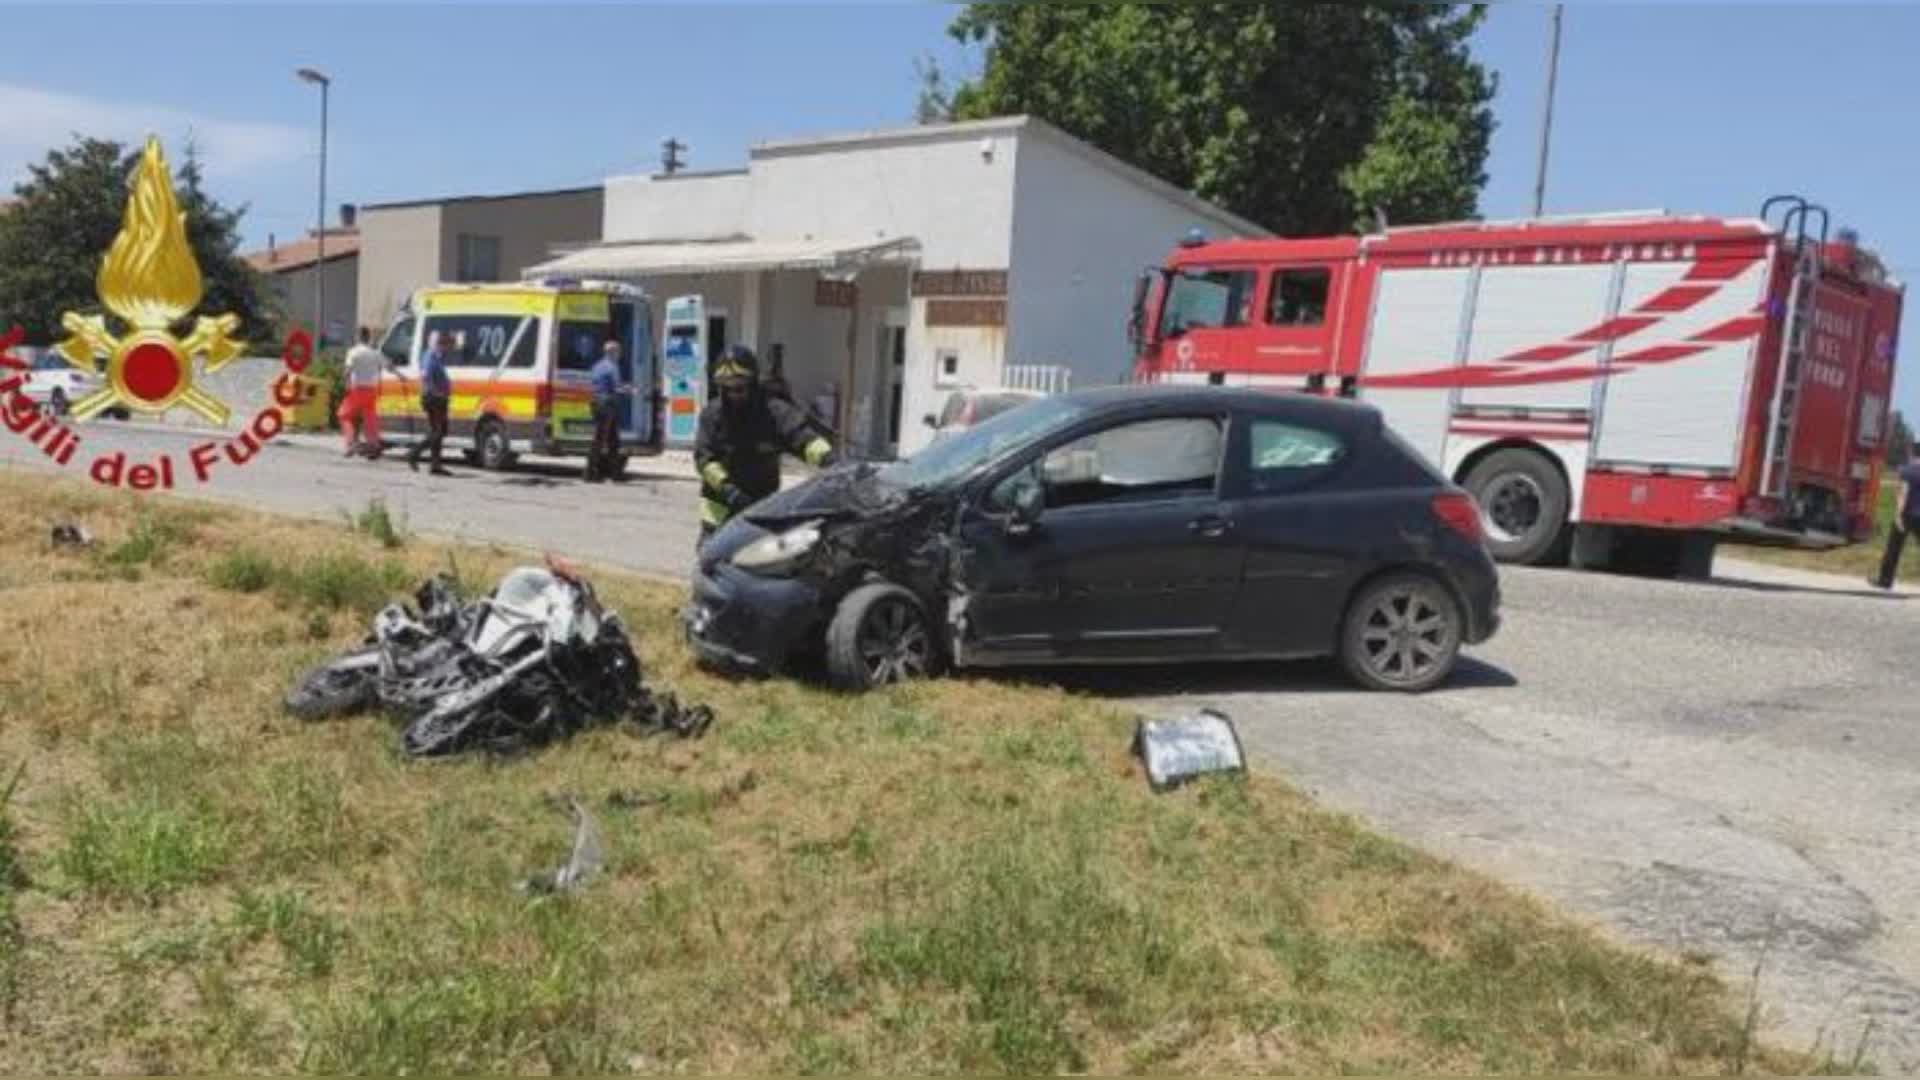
[586,862]
[70,534]
[1178,749]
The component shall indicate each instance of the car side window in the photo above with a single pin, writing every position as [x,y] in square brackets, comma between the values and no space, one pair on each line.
[1143,461]
[1287,457]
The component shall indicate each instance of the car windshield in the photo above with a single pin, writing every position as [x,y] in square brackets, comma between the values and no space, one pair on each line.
[947,461]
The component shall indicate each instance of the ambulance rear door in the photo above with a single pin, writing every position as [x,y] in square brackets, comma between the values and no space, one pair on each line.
[639,374]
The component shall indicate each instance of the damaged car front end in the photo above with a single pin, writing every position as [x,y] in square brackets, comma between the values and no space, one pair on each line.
[854,571]
[769,584]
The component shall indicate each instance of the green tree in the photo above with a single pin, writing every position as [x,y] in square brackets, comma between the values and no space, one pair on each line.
[69,210]
[230,283]
[1303,117]
[1899,440]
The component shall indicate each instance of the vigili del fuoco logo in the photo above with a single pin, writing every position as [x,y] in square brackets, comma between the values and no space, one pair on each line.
[150,280]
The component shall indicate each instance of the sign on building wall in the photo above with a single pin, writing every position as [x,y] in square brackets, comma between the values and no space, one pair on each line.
[960,283]
[834,294]
[966,313]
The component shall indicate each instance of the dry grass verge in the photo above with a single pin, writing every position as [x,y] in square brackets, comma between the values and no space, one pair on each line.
[966,876]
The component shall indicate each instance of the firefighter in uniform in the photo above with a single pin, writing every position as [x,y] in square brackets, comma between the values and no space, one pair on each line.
[742,434]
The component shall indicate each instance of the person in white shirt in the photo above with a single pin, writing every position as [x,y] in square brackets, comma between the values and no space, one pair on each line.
[359,412]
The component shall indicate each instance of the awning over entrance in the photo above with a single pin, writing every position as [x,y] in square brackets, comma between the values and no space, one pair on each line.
[646,258]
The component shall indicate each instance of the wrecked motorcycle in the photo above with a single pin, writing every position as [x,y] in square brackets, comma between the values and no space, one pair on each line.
[536,661]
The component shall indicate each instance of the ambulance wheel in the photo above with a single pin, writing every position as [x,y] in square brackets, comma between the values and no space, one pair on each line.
[490,447]
[1523,506]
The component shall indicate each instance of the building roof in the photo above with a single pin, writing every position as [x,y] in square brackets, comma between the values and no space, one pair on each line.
[643,258]
[1012,125]
[447,199]
[304,252]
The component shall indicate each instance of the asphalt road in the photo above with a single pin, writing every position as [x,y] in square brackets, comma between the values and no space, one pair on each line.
[1727,768]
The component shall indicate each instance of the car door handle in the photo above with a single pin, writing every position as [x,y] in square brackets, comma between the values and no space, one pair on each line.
[1210,526]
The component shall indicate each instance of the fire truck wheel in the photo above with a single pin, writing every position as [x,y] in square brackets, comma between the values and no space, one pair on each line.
[1523,503]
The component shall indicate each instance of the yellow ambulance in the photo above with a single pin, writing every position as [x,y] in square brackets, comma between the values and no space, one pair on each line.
[521,363]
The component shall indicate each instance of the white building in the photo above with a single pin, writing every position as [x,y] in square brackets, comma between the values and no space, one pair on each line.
[905,264]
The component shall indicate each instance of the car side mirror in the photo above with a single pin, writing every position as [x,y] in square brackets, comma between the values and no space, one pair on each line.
[930,421]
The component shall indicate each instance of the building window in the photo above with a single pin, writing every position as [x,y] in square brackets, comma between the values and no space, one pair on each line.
[946,367]
[479,258]
[1299,298]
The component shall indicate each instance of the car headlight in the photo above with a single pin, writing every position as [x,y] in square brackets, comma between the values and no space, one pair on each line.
[779,553]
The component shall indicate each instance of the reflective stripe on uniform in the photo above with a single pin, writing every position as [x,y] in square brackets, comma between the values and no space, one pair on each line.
[817,451]
[715,474]
[714,512]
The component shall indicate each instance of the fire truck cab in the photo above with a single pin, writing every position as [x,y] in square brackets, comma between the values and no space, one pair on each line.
[1641,383]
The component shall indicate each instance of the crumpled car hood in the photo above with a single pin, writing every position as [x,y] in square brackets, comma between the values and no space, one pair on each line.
[850,491]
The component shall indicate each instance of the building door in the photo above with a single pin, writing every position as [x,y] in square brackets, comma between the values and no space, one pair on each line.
[889,382]
[716,338]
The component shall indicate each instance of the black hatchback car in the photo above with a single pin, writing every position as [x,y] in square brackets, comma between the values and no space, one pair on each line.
[1132,524]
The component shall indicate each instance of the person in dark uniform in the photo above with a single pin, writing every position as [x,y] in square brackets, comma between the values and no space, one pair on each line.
[436,393]
[742,435]
[604,456]
[1906,519]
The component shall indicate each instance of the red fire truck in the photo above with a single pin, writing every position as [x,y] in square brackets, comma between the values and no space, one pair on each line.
[1641,382]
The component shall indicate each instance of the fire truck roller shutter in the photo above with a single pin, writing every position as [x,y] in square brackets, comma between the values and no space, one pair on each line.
[1415,327]
[1530,316]
[1672,399]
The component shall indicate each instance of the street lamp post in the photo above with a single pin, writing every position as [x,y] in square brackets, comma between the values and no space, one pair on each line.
[1546,120]
[310,75]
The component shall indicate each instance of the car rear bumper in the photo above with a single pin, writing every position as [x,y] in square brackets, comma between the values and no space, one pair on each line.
[752,625]
[1479,587]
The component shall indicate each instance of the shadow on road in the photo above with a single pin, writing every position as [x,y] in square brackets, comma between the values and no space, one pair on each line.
[552,474]
[1865,591]
[1292,677]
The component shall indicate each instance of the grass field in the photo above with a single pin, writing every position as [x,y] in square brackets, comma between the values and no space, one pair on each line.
[1855,562]
[954,877]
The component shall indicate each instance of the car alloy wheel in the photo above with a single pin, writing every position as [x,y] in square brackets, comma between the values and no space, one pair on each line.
[1402,633]
[880,635]
[894,643]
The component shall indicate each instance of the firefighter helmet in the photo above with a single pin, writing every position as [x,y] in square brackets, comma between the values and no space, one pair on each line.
[736,362]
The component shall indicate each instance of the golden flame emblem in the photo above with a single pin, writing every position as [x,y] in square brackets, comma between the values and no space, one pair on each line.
[151,281]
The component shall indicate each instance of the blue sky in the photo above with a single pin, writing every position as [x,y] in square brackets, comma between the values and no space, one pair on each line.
[1709,107]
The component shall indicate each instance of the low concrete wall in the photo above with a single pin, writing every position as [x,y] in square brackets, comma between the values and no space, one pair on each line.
[246,385]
